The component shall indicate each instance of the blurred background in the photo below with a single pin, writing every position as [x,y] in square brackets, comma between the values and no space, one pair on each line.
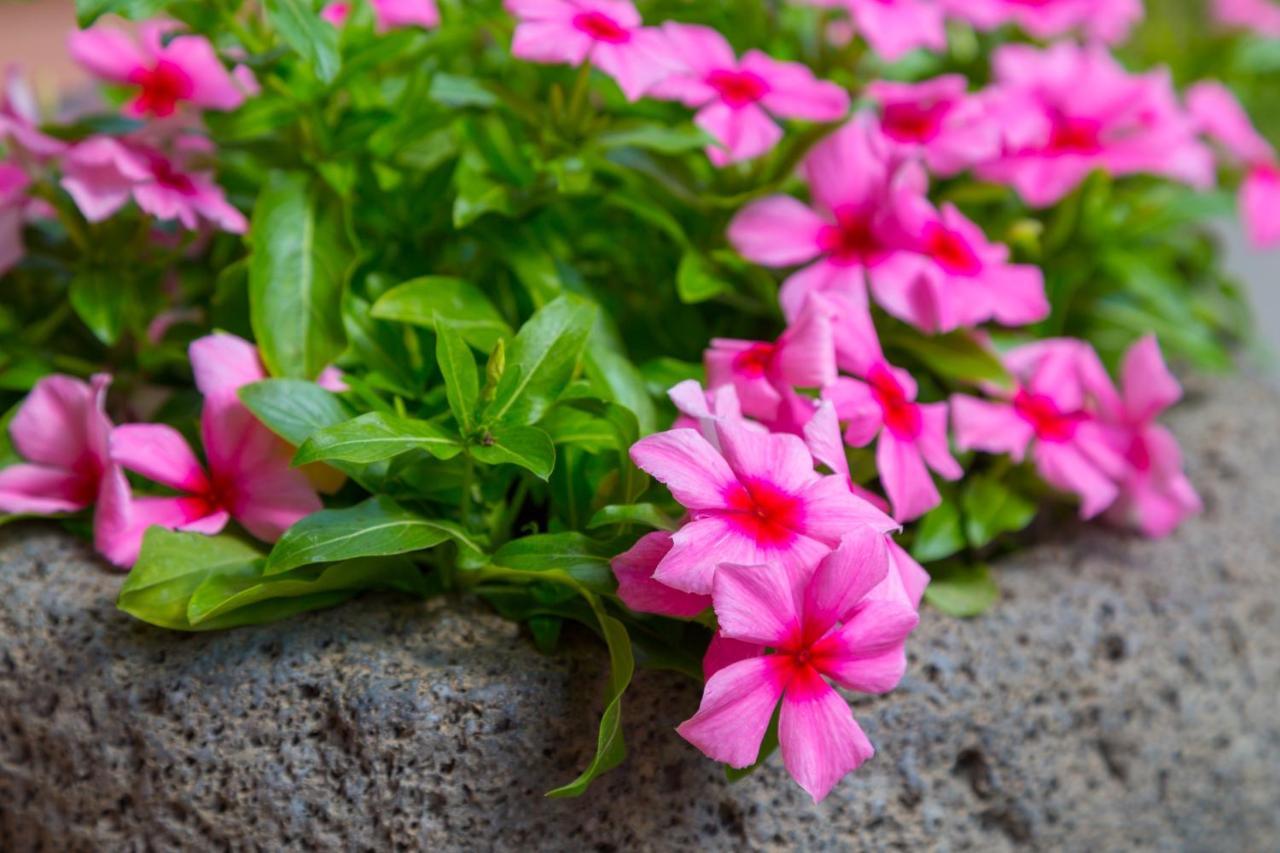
[33,35]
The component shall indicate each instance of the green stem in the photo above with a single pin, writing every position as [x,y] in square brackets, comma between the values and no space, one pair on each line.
[578,99]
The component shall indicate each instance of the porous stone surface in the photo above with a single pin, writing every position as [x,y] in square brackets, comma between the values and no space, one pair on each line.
[1122,696]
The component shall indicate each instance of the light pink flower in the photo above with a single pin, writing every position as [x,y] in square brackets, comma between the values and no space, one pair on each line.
[186,70]
[103,173]
[937,121]
[249,476]
[388,14]
[1068,110]
[1050,409]
[20,119]
[1258,16]
[803,357]
[606,33]
[754,499]
[910,437]
[894,28]
[1108,21]
[1223,119]
[336,13]
[1155,495]
[821,625]
[956,278]
[737,99]
[639,591]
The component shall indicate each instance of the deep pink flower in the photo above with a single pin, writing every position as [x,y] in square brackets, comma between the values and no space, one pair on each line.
[1224,120]
[1258,16]
[186,70]
[910,437]
[736,98]
[639,591]
[249,476]
[956,278]
[606,33]
[760,372]
[1108,21]
[103,173]
[1155,494]
[937,121]
[388,14]
[894,28]
[1050,409]
[820,625]
[754,499]
[1068,110]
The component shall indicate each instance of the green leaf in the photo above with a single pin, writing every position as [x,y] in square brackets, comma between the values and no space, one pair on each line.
[646,515]
[542,360]
[294,409]
[296,276]
[962,590]
[467,310]
[956,356]
[583,559]
[991,508]
[939,534]
[378,527]
[307,33]
[171,566]
[526,446]
[696,281]
[375,437]
[656,137]
[100,299]
[454,91]
[89,11]
[569,425]
[461,381]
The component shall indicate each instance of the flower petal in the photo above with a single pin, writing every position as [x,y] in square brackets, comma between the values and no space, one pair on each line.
[737,705]
[820,740]
[688,465]
[159,453]
[42,490]
[639,591]
[777,231]
[756,604]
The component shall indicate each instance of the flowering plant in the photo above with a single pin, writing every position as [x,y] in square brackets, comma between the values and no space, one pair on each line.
[731,331]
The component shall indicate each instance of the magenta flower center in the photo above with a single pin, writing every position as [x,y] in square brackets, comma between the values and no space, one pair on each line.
[601,27]
[1075,136]
[950,250]
[1042,413]
[163,86]
[901,415]
[914,123]
[168,176]
[851,240]
[755,360]
[764,512]
[738,88]
[1138,454]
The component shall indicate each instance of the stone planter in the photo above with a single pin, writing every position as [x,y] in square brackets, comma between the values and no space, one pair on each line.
[1122,696]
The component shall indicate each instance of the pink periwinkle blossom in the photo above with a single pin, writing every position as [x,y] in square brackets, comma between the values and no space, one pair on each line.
[1155,495]
[937,121]
[753,499]
[1223,119]
[103,173]
[1108,21]
[607,33]
[1256,16]
[20,120]
[821,625]
[637,588]
[388,14]
[184,70]
[1050,412]
[894,28]
[738,99]
[249,476]
[1067,110]
[761,372]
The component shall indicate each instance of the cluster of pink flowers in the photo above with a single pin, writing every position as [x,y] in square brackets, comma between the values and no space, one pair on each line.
[1259,16]
[387,14]
[76,459]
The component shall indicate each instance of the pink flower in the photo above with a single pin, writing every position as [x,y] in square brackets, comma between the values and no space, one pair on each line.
[1222,118]
[736,98]
[1049,408]
[389,14]
[849,234]
[336,13]
[1258,16]
[1155,495]
[754,499]
[13,206]
[1107,21]
[912,436]
[894,28]
[639,591]
[20,119]
[606,33]
[185,70]
[1068,110]
[803,357]
[249,476]
[936,121]
[956,278]
[103,173]
[821,625]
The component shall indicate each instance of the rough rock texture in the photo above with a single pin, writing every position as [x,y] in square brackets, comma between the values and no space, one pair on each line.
[1123,696]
